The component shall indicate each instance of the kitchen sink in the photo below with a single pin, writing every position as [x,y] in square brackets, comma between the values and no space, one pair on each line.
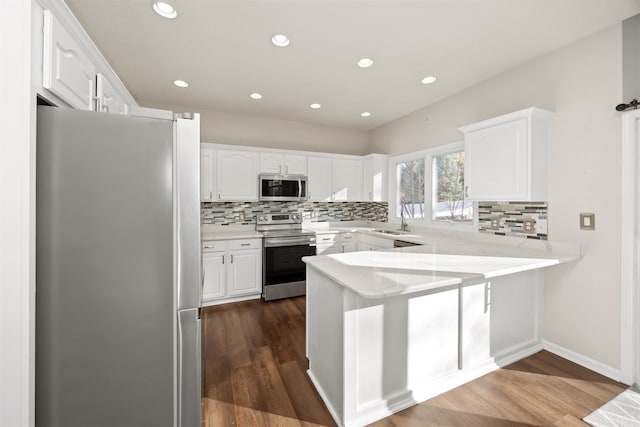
[392,232]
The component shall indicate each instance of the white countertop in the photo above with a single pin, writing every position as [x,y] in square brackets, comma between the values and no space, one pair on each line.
[213,232]
[445,259]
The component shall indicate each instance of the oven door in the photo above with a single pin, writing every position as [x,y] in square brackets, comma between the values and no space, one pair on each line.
[283,264]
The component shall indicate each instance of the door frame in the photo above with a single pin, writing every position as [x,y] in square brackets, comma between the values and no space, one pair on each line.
[630,241]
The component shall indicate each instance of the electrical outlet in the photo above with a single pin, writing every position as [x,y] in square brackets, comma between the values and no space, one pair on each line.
[529,225]
[495,222]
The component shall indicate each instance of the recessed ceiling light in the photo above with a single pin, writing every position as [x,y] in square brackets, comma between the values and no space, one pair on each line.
[428,80]
[165,10]
[315,106]
[255,95]
[280,40]
[180,83]
[365,62]
[365,114]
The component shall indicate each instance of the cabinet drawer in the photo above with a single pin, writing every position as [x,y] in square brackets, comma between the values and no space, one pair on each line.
[326,238]
[244,244]
[347,237]
[214,245]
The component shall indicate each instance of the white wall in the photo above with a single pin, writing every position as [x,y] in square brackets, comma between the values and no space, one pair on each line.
[17,148]
[581,83]
[240,129]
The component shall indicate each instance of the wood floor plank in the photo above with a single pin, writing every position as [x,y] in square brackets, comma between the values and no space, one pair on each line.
[304,397]
[254,374]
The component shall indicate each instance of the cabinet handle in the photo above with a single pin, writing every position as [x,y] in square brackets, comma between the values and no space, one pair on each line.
[244,244]
[280,169]
[208,247]
[218,195]
[466,191]
[286,169]
[370,196]
[231,258]
[210,195]
[222,259]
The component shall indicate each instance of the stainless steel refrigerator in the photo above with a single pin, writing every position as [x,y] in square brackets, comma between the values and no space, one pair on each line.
[118,270]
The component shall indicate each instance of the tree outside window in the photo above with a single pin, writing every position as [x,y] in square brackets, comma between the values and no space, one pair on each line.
[449,203]
[410,178]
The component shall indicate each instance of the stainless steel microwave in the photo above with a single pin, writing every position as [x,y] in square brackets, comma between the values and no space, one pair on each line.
[283,188]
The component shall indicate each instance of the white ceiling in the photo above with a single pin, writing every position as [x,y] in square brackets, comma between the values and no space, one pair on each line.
[223,49]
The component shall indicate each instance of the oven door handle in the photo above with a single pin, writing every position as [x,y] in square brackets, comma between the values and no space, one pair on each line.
[288,241]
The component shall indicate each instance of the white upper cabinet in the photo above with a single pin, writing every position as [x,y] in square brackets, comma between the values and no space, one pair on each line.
[280,163]
[346,177]
[68,72]
[319,174]
[108,100]
[236,175]
[506,157]
[207,177]
[334,179]
[375,177]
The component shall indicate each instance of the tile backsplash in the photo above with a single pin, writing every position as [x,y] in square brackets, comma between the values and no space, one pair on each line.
[238,213]
[510,219]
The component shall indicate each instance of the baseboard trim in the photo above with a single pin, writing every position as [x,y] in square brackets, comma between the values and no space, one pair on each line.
[582,360]
[518,353]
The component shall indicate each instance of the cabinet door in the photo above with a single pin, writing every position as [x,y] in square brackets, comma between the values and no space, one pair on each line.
[214,276]
[295,165]
[108,99]
[67,70]
[374,178]
[496,166]
[237,175]
[271,163]
[207,184]
[346,179]
[319,174]
[245,272]
[349,247]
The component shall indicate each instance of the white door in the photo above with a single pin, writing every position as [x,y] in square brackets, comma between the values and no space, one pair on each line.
[108,99]
[319,175]
[630,256]
[245,272]
[67,70]
[496,165]
[214,276]
[207,184]
[271,163]
[295,165]
[347,179]
[237,175]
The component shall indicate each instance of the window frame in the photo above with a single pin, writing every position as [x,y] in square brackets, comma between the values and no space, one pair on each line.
[429,188]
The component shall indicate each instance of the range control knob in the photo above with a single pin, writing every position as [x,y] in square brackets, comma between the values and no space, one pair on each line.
[261,218]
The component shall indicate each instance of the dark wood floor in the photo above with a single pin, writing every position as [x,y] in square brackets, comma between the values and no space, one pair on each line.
[254,374]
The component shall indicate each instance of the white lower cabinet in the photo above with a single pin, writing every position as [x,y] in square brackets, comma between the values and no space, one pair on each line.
[232,270]
[335,243]
[367,242]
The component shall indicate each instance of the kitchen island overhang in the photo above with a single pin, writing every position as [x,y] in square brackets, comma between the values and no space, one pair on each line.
[387,330]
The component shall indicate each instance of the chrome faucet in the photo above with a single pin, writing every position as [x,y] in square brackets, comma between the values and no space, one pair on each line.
[403,221]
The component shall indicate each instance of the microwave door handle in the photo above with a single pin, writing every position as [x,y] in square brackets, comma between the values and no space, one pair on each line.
[299,188]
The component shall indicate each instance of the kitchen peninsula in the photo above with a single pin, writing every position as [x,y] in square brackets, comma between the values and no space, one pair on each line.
[387,330]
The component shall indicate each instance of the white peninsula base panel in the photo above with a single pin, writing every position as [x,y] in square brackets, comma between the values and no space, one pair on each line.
[371,357]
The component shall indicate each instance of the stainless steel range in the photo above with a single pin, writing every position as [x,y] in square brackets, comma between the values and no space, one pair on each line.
[285,243]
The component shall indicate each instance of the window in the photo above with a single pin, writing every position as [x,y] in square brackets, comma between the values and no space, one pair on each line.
[448,201]
[429,186]
[410,195]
